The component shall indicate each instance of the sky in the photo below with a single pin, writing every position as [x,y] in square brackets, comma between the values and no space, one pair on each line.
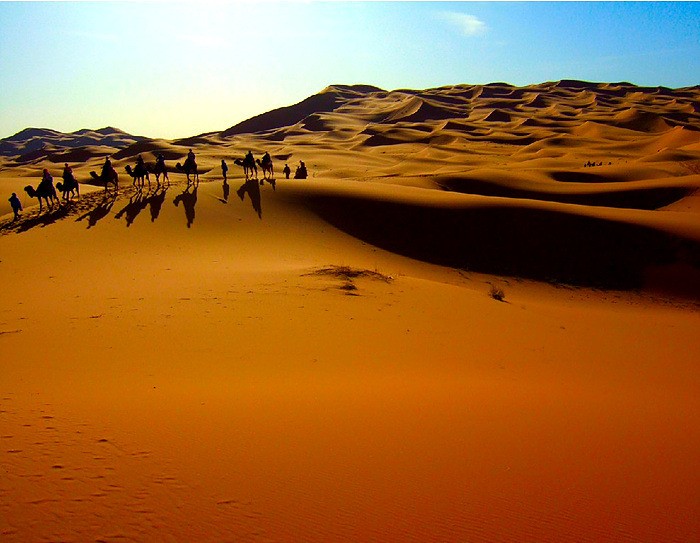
[178,69]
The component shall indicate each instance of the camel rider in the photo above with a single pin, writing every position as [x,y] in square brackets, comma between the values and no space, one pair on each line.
[190,158]
[160,160]
[46,180]
[249,158]
[140,164]
[107,168]
[67,173]
[266,158]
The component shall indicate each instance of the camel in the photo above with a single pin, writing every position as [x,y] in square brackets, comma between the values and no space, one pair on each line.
[249,168]
[45,191]
[70,186]
[160,169]
[266,168]
[139,173]
[190,168]
[111,177]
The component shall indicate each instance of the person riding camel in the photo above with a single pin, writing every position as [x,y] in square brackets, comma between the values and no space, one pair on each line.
[140,163]
[67,174]
[249,159]
[107,169]
[46,180]
[190,158]
[266,158]
[160,161]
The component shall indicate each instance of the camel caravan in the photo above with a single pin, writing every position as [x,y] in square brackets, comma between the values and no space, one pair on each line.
[141,173]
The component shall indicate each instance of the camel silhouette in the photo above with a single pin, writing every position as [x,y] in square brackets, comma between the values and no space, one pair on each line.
[267,169]
[45,191]
[190,168]
[68,188]
[110,177]
[160,169]
[139,173]
[249,167]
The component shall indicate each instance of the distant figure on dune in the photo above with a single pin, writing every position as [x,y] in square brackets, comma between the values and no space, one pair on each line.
[224,169]
[16,205]
[287,170]
[301,172]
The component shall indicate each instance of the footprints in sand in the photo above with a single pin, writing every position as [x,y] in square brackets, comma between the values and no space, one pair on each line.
[64,479]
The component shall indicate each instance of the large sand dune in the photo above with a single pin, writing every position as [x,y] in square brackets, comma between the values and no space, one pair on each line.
[331,359]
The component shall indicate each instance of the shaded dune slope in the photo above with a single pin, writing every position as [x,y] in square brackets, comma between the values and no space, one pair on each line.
[543,243]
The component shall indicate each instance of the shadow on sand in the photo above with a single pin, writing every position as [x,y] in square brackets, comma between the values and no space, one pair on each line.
[252,188]
[188,197]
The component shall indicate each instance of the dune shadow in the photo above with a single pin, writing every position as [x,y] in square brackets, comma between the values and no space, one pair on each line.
[252,188]
[188,198]
[520,242]
[647,198]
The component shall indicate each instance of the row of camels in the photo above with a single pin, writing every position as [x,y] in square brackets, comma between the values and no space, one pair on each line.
[46,192]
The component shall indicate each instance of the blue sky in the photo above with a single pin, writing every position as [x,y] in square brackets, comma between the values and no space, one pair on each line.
[170,70]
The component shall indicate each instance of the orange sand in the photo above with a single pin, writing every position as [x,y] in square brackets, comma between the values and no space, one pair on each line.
[231,381]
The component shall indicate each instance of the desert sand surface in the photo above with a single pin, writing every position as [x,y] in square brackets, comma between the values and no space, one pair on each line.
[477,320]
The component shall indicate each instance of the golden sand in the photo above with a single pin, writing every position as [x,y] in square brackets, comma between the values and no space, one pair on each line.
[326,359]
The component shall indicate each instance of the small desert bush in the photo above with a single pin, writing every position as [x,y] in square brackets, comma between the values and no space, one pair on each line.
[497,293]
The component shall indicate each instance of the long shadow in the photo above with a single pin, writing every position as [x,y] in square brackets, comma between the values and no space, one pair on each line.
[227,191]
[530,243]
[155,201]
[35,218]
[630,198]
[189,201]
[136,205]
[252,188]
[100,211]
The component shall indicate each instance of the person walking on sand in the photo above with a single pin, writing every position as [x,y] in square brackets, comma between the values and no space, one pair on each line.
[224,169]
[16,205]
[287,170]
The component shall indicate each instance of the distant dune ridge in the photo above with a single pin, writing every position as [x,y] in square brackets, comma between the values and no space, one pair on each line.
[591,145]
[476,320]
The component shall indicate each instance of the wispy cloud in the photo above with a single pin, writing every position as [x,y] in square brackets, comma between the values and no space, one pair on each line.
[467,24]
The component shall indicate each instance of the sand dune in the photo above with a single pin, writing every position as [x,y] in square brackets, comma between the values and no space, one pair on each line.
[476,320]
